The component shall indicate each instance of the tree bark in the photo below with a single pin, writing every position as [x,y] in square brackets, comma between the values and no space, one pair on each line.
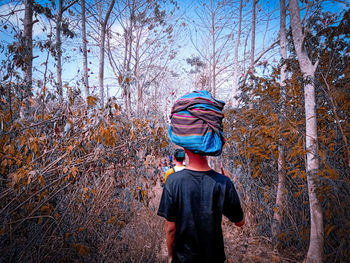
[102,51]
[280,195]
[101,66]
[252,47]
[315,251]
[236,66]
[252,43]
[139,86]
[213,69]
[28,47]
[129,44]
[58,48]
[84,45]
[124,84]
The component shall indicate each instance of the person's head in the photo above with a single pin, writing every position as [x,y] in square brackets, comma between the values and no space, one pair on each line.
[179,155]
[196,123]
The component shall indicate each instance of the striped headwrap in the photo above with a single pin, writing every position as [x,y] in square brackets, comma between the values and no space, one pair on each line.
[196,123]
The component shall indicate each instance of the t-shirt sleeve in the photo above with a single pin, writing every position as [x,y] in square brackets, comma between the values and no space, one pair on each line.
[232,208]
[167,206]
[170,171]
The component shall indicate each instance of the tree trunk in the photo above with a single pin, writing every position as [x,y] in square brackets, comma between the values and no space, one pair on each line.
[252,48]
[236,66]
[28,47]
[102,51]
[139,100]
[129,100]
[59,49]
[213,69]
[85,62]
[101,65]
[315,251]
[125,85]
[252,43]
[129,57]
[280,195]
[139,86]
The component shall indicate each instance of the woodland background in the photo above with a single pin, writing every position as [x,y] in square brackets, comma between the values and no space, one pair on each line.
[85,93]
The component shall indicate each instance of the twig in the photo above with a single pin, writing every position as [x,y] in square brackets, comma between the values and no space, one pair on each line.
[337,119]
[30,217]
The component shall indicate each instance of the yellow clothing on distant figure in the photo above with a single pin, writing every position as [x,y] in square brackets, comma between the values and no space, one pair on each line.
[172,170]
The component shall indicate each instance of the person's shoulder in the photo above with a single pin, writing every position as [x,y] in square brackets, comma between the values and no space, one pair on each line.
[178,168]
[220,178]
[177,176]
[169,171]
[216,174]
[181,173]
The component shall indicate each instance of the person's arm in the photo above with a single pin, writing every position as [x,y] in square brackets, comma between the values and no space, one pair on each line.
[240,223]
[170,228]
[232,207]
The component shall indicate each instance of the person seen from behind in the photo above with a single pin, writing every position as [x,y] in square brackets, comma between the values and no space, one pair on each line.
[164,169]
[195,198]
[179,157]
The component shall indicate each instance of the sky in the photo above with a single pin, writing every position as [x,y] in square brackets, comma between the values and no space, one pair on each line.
[72,60]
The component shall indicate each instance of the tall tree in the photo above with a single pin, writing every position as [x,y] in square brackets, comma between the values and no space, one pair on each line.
[212,37]
[28,47]
[59,30]
[252,45]
[236,64]
[213,51]
[103,20]
[141,52]
[280,196]
[84,48]
[255,54]
[58,47]
[252,39]
[128,42]
[308,69]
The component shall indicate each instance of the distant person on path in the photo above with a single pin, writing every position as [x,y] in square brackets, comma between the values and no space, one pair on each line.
[179,157]
[194,199]
[165,168]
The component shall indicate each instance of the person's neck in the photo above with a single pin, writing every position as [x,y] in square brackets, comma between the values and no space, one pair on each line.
[197,162]
[179,163]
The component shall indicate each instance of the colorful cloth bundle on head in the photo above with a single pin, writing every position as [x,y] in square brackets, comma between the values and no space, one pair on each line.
[196,123]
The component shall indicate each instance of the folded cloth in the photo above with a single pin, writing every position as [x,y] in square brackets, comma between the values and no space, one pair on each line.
[196,123]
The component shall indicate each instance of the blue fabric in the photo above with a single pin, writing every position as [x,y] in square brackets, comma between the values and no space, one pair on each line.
[196,123]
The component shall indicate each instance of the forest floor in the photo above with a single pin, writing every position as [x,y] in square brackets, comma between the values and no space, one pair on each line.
[240,245]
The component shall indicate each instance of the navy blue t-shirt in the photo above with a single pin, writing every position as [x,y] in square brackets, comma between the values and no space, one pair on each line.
[195,201]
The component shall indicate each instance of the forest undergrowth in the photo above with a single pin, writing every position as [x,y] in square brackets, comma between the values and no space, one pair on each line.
[78,183]
[71,184]
[79,177]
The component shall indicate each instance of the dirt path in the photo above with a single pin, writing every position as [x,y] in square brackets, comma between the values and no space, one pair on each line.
[156,193]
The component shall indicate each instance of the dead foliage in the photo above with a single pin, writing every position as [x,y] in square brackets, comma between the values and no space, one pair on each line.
[74,184]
